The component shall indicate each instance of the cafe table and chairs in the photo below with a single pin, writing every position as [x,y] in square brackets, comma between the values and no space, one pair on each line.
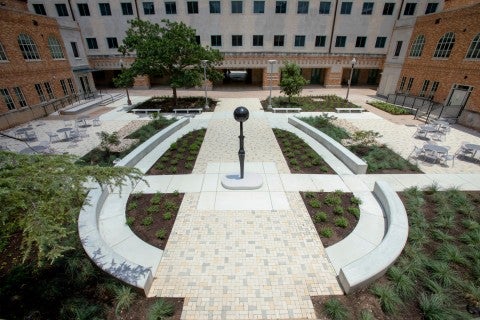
[66,131]
[434,152]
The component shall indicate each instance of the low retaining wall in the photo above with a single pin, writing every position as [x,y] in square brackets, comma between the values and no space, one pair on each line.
[354,163]
[365,270]
[88,222]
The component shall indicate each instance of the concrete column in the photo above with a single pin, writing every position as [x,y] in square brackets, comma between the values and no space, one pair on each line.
[142,82]
[333,76]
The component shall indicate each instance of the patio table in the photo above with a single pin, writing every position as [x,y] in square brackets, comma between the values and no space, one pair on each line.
[65,130]
[474,147]
[436,151]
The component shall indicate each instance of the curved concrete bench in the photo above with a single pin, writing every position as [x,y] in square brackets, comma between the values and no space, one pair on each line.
[94,244]
[374,264]
[354,163]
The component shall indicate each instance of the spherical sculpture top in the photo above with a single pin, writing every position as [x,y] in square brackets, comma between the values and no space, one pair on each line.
[241,114]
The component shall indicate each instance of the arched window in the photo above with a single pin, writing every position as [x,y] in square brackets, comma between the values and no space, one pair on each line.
[55,48]
[445,45]
[28,47]
[474,50]
[3,55]
[417,46]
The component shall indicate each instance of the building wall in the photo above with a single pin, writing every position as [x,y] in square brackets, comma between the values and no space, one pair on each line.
[18,72]
[455,69]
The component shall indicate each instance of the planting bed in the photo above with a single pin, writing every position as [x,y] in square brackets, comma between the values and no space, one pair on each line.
[167,104]
[326,103]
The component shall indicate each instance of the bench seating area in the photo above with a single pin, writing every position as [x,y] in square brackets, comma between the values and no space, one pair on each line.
[286,109]
[199,110]
[146,110]
[338,110]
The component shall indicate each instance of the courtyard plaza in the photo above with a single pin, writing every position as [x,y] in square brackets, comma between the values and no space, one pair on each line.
[255,254]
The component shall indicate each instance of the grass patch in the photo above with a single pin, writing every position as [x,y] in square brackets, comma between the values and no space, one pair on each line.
[335,310]
[324,103]
[390,108]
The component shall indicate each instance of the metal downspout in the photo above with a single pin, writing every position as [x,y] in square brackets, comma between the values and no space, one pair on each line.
[333,27]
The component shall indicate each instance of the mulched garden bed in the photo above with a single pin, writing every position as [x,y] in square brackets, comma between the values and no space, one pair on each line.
[181,156]
[301,158]
[167,104]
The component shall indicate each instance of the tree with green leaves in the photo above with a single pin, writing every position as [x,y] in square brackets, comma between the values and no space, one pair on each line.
[292,81]
[41,197]
[170,50]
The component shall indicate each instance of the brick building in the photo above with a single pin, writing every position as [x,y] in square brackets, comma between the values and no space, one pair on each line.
[33,64]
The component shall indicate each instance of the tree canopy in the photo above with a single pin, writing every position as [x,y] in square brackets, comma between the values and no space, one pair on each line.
[41,197]
[292,81]
[169,50]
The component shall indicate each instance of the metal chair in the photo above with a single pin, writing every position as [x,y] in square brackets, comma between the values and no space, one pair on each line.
[53,136]
[415,154]
[96,122]
[31,135]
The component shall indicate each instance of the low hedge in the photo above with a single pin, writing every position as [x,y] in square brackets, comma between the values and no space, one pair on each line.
[390,108]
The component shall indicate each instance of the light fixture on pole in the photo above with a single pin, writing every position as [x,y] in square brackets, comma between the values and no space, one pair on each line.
[271,62]
[204,64]
[353,63]
[129,102]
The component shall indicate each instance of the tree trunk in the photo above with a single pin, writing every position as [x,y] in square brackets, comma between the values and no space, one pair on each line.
[174,96]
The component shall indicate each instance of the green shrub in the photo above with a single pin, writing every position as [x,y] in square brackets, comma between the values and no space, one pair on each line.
[433,306]
[323,123]
[449,252]
[79,309]
[156,198]
[341,222]
[130,221]
[173,162]
[332,200]
[314,203]
[388,107]
[293,162]
[188,165]
[366,315]
[309,195]
[443,273]
[132,205]
[320,216]
[355,200]
[167,216]
[404,284]
[326,232]
[389,300]
[335,310]
[160,310]
[160,166]
[153,209]
[170,206]
[124,297]
[354,211]
[172,170]
[147,221]
[338,210]
[161,233]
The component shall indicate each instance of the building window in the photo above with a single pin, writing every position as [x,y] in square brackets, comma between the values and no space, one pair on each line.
[409,85]
[20,97]
[49,90]
[40,93]
[360,42]
[237,41]
[445,45]
[8,99]
[380,42]
[398,49]
[3,55]
[474,50]
[28,47]
[346,8]
[74,49]
[324,7]
[320,41]
[70,84]
[388,8]
[214,6]
[170,8]
[281,7]
[105,9]
[55,48]
[216,40]
[64,87]
[258,6]
[237,6]
[417,46]
[367,8]
[302,7]
[148,8]
[278,41]
[39,9]
[197,40]
[257,40]
[92,43]
[192,7]
[83,9]
[431,7]
[424,88]
[127,9]
[299,41]
[402,84]
[340,41]
[61,9]
[409,9]
[112,43]
[433,89]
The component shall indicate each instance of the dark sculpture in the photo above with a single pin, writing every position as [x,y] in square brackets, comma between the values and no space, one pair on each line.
[241,115]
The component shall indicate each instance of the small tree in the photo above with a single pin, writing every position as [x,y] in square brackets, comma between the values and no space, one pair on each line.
[292,81]
[107,140]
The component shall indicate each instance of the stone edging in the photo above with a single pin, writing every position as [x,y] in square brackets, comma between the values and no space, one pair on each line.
[88,222]
[374,264]
[354,163]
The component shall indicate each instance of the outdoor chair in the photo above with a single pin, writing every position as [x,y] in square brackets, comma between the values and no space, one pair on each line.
[447,157]
[68,123]
[415,154]
[53,136]
[96,122]
[464,151]
[31,135]
[439,136]
[75,135]
[83,133]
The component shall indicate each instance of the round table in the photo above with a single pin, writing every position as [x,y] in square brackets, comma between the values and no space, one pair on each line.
[65,130]
[472,146]
[436,148]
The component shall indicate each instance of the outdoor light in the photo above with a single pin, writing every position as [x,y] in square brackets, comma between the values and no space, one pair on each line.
[271,62]
[353,63]
[129,102]
[204,64]
[241,115]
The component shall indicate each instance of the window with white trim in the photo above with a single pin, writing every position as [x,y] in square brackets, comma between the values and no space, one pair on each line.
[70,84]
[425,85]
[55,48]
[20,96]
[49,90]
[474,49]
[3,55]
[28,47]
[417,46]
[41,94]
[7,98]
[445,45]
[64,87]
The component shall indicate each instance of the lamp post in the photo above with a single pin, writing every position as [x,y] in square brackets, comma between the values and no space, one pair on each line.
[241,115]
[353,62]
[204,64]
[129,102]
[271,63]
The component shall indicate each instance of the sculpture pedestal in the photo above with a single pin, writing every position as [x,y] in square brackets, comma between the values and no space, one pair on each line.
[250,181]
